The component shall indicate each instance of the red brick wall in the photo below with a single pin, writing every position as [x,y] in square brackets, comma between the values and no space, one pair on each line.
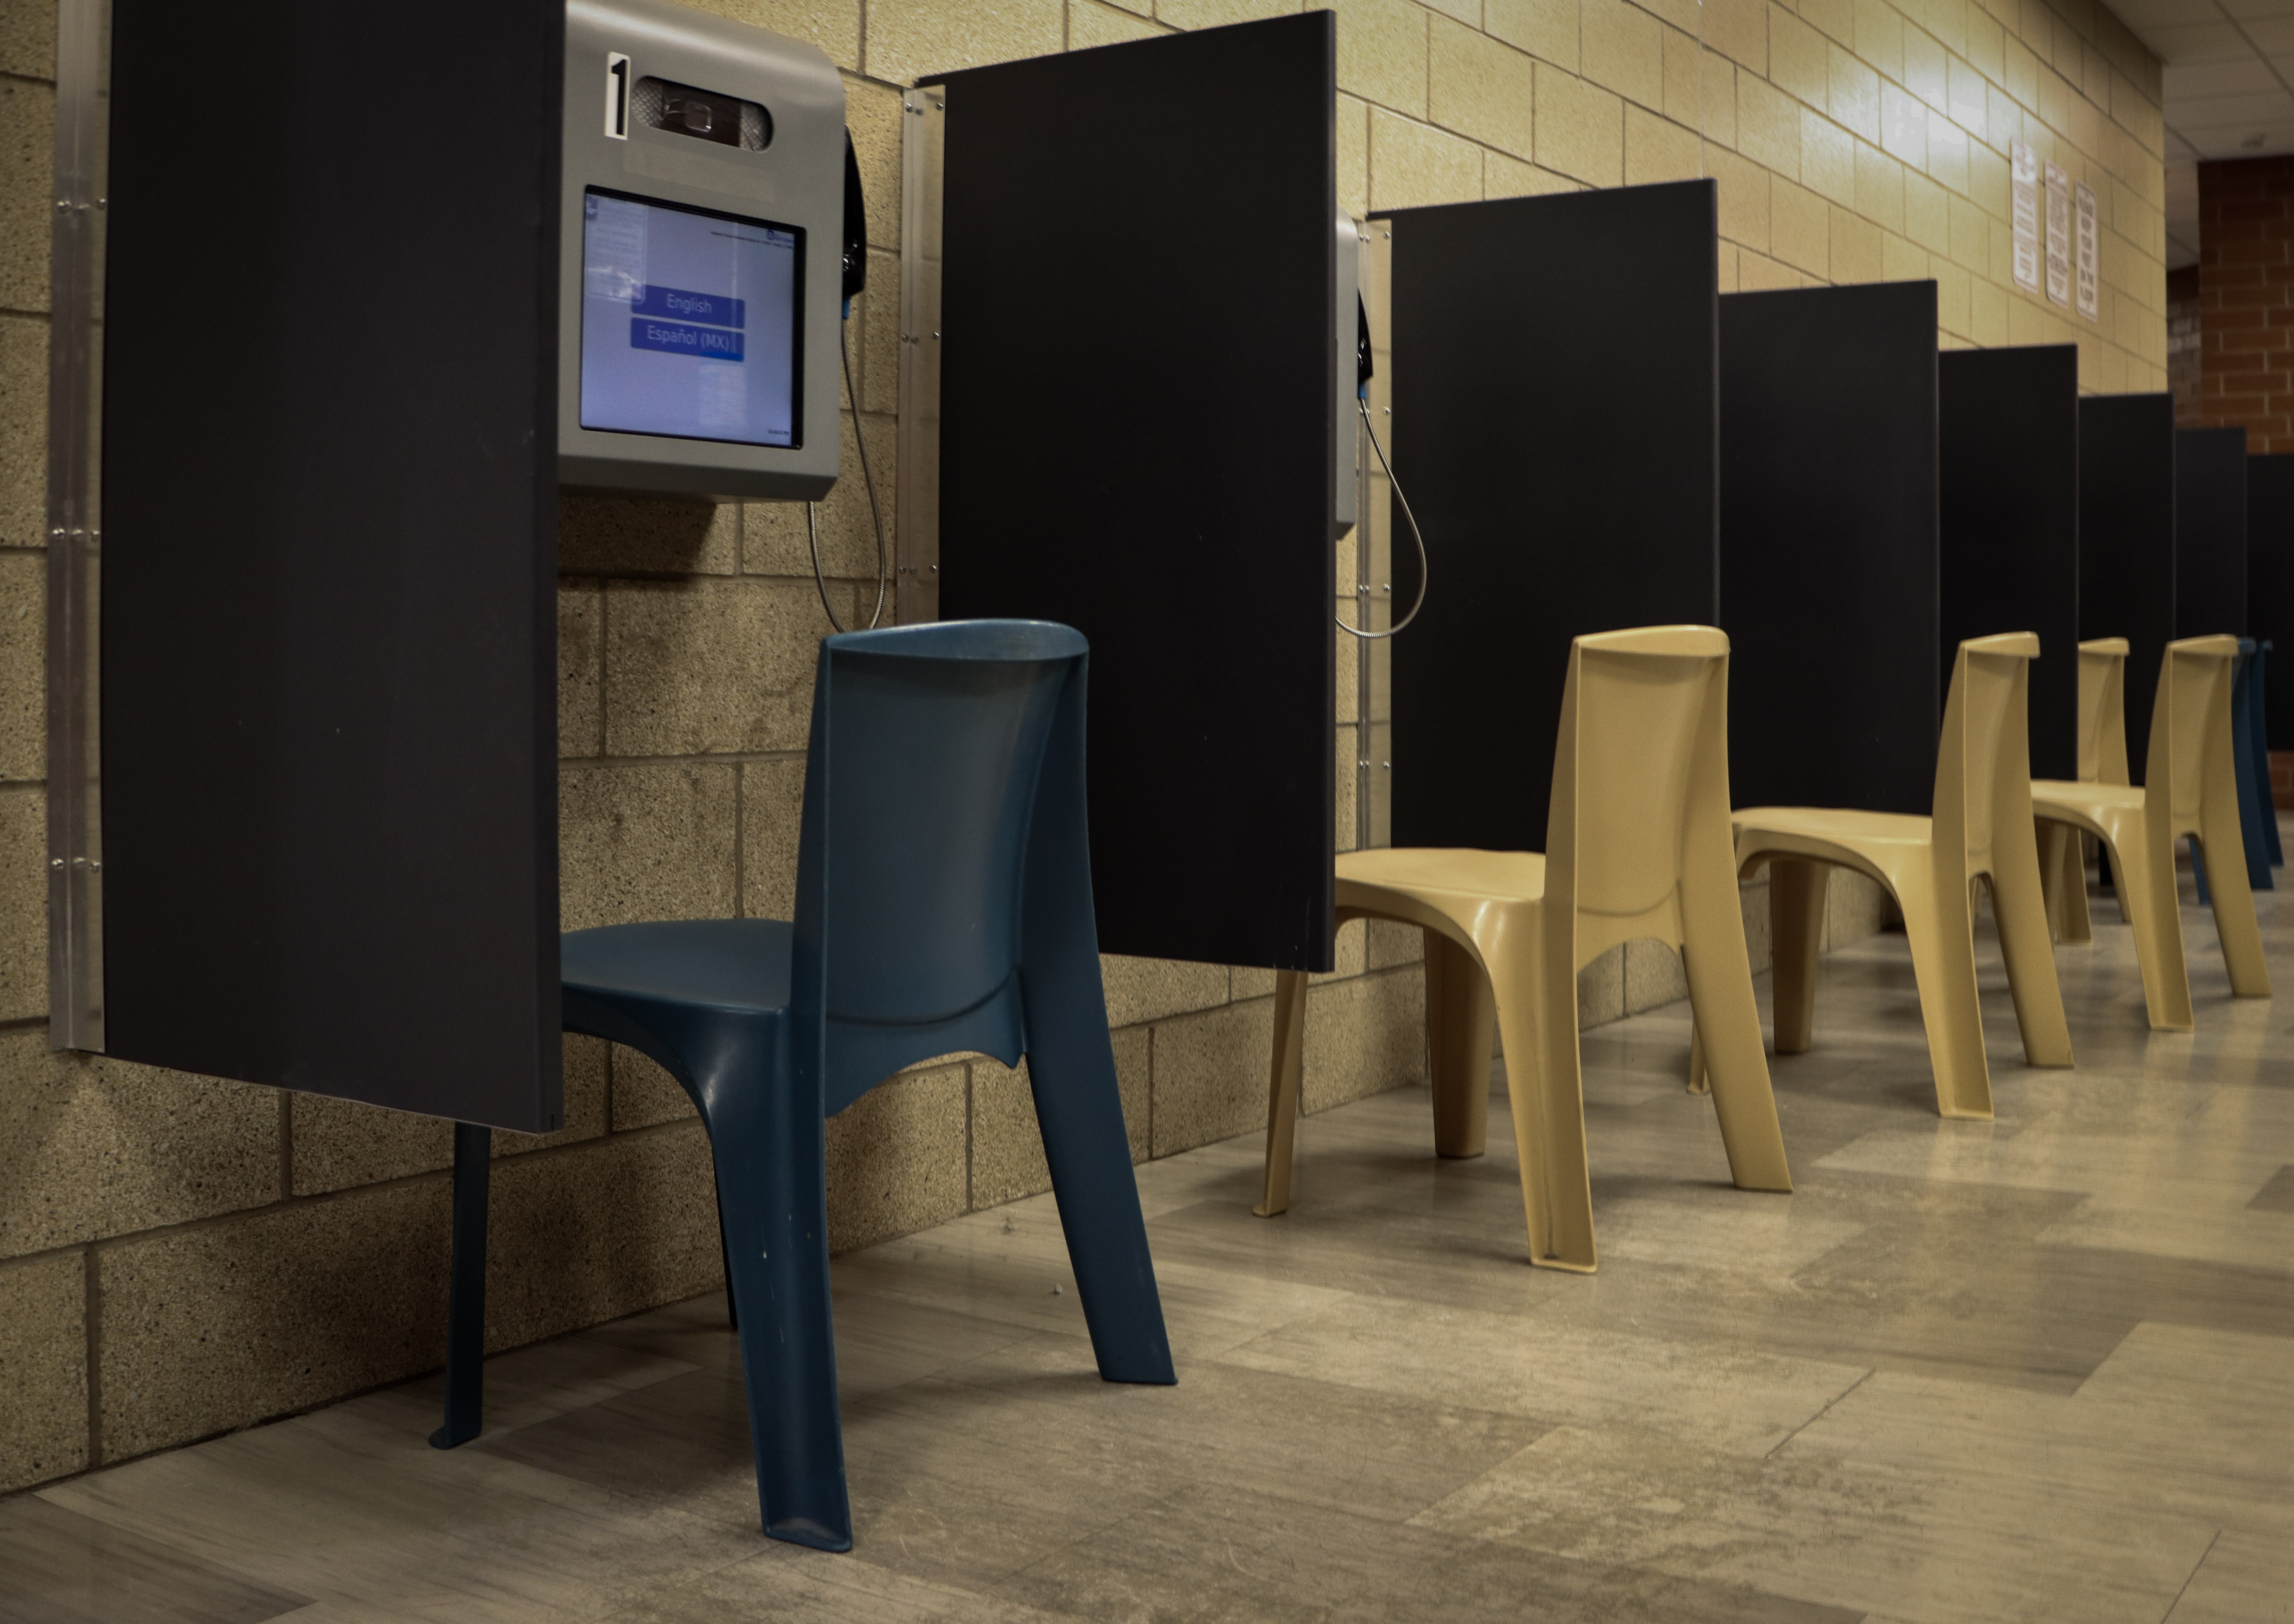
[2182,346]
[2246,300]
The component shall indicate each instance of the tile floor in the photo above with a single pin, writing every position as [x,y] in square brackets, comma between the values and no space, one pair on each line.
[2041,1368]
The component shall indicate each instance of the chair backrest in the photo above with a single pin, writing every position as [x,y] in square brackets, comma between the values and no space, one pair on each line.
[2191,757]
[928,751]
[2102,711]
[1640,771]
[1983,761]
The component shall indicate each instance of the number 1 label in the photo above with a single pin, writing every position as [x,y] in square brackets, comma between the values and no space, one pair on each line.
[617,95]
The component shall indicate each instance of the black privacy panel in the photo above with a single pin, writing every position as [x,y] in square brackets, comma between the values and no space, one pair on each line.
[1828,545]
[1136,399]
[2270,585]
[2127,542]
[2209,531]
[1555,363]
[329,800]
[2007,483]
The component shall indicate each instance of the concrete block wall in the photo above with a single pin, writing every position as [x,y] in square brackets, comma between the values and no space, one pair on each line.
[181,1255]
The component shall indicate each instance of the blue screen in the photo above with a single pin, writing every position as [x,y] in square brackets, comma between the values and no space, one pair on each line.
[688,322]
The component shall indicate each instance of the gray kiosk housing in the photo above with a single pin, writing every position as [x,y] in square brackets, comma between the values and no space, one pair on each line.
[668,108]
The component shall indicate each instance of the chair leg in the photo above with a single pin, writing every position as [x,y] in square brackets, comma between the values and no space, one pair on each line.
[2062,880]
[725,1256]
[2078,925]
[2049,838]
[2234,921]
[1700,1079]
[1286,1077]
[2154,912]
[1546,1091]
[1796,887]
[2250,771]
[770,1156]
[1460,1016]
[1941,932]
[1079,1110]
[465,1301]
[1727,1044]
[2255,816]
[2019,912]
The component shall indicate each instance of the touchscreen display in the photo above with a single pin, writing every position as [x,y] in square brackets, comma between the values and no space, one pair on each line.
[689,322]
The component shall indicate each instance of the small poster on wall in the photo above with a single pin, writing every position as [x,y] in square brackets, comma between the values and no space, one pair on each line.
[2025,209]
[2090,297]
[2059,235]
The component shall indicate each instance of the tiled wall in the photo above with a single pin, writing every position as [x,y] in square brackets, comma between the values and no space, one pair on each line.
[2245,287]
[180,1255]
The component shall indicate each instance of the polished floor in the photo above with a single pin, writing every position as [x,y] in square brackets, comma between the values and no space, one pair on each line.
[2040,1368]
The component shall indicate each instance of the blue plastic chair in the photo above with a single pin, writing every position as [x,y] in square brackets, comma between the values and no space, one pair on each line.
[2257,750]
[943,905]
[2250,755]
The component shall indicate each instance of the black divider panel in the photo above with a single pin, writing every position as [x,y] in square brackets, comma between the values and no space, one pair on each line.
[2270,585]
[2127,542]
[1828,566]
[330,780]
[1137,388]
[2008,501]
[2209,531]
[1555,364]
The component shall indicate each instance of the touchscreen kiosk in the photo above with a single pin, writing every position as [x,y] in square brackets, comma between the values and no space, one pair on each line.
[703,197]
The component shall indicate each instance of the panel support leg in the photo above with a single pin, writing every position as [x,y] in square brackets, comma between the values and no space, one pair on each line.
[466,1306]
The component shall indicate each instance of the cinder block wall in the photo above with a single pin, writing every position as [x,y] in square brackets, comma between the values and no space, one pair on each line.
[181,1255]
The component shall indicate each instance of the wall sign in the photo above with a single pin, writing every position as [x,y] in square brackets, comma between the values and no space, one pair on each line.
[2089,291]
[2025,209]
[2059,235]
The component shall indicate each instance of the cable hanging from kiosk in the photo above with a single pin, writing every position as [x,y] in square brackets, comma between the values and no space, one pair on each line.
[856,278]
[1362,371]
[812,522]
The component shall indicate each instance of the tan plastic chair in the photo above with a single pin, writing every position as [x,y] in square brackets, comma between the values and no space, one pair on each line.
[1981,828]
[2190,787]
[1638,846]
[2102,759]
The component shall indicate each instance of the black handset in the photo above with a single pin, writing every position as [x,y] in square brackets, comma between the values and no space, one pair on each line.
[1363,369]
[856,231]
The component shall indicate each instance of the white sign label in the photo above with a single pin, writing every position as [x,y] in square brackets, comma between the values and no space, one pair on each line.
[2025,208]
[617,95]
[2090,300]
[2059,235]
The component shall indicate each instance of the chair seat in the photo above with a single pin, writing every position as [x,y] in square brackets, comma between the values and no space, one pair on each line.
[1458,871]
[1847,827]
[2085,805]
[731,964]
